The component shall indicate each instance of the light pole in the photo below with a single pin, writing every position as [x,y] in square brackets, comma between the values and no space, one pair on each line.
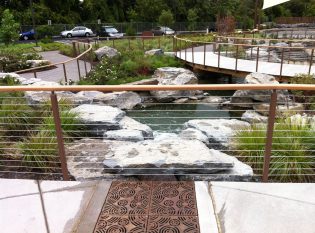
[33,21]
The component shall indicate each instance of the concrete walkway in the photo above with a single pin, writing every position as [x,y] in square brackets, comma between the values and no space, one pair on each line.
[57,74]
[28,206]
[228,63]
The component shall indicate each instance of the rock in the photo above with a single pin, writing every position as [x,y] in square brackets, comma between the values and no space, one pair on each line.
[213,100]
[150,81]
[13,75]
[181,101]
[106,52]
[37,98]
[37,63]
[124,135]
[173,156]
[131,124]
[154,52]
[218,130]
[194,134]
[158,136]
[262,96]
[254,117]
[93,96]
[98,118]
[122,100]
[263,52]
[282,110]
[85,159]
[240,172]
[173,76]
[240,99]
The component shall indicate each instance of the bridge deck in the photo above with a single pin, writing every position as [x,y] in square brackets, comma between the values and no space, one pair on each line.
[228,65]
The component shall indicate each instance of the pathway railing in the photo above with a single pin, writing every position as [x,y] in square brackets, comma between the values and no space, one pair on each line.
[246,49]
[83,52]
[48,140]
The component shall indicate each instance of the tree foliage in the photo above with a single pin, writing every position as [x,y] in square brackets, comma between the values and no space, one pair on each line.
[8,28]
[166,18]
[76,11]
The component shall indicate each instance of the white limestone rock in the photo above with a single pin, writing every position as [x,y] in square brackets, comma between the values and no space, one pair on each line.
[124,135]
[254,117]
[123,100]
[131,124]
[98,118]
[106,52]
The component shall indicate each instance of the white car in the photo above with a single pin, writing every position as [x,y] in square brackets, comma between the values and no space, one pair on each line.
[77,31]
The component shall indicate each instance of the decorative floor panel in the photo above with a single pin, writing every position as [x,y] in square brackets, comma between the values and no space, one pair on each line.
[149,207]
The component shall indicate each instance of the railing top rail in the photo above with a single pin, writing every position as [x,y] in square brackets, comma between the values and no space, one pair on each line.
[109,88]
[244,45]
[266,39]
[58,63]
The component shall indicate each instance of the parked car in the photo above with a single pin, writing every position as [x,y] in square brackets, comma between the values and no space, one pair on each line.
[109,31]
[29,35]
[159,31]
[77,31]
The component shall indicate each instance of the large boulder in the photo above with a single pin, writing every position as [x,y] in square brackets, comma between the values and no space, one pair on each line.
[194,134]
[93,96]
[243,96]
[282,110]
[15,76]
[171,156]
[38,63]
[131,124]
[124,135]
[123,100]
[218,131]
[154,52]
[106,52]
[98,118]
[38,98]
[254,117]
[89,158]
[173,76]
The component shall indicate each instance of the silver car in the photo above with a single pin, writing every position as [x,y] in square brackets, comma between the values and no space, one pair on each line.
[77,31]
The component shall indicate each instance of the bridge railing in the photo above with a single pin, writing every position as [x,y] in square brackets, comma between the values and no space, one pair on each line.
[70,132]
[83,51]
[195,52]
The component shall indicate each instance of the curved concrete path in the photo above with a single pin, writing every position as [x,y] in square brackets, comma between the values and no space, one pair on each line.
[57,74]
[245,66]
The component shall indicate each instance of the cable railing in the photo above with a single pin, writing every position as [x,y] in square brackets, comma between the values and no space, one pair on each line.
[241,132]
[240,56]
[84,62]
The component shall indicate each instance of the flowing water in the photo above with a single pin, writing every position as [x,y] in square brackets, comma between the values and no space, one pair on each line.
[170,117]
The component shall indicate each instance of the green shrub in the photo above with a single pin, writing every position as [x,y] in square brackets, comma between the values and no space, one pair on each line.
[8,28]
[40,149]
[292,158]
[130,31]
[305,97]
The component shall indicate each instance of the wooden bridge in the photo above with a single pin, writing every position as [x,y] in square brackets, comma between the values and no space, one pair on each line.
[240,59]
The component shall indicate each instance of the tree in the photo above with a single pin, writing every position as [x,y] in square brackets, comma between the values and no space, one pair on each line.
[8,28]
[192,18]
[166,18]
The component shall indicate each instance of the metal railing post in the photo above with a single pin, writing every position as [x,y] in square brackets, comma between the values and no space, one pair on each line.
[65,73]
[204,54]
[180,49]
[159,42]
[269,137]
[129,44]
[143,44]
[311,62]
[84,59]
[257,59]
[281,66]
[113,43]
[185,50]
[79,71]
[192,52]
[35,74]
[219,53]
[236,61]
[59,135]
[74,49]
[269,50]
